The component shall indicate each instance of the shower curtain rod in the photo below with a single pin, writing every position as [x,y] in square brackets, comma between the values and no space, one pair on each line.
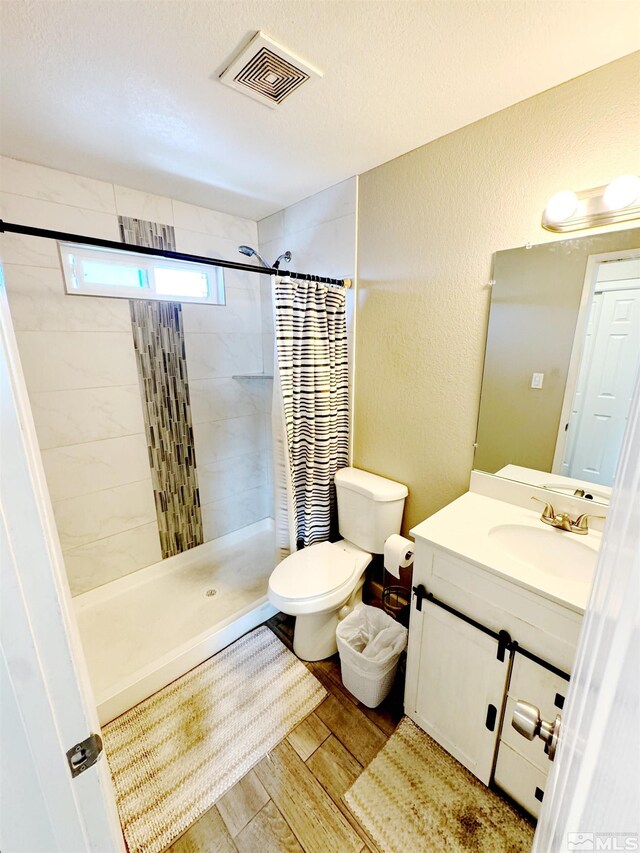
[31,231]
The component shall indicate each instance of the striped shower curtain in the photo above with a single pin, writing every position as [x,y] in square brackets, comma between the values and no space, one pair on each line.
[311,409]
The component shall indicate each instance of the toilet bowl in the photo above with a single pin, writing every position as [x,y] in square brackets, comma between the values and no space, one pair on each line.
[314,585]
[320,584]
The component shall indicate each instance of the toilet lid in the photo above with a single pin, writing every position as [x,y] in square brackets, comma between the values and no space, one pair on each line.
[316,570]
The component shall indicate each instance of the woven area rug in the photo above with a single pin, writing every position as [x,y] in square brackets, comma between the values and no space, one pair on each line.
[176,753]
[414,797]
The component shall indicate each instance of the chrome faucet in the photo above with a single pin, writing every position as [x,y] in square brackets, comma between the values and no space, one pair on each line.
[563,521]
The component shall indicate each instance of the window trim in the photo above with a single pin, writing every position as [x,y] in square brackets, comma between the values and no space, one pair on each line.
[75,286]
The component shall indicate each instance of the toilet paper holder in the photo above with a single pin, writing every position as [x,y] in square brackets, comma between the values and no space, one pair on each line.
[395,600]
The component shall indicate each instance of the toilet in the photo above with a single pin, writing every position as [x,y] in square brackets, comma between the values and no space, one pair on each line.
[321,584]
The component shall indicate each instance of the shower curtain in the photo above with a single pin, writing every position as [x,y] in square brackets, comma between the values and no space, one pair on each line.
[310,409]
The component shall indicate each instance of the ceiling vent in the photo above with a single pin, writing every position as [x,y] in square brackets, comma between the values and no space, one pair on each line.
[267,72]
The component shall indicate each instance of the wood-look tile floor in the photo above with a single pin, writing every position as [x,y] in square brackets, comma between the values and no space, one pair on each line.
[291,800]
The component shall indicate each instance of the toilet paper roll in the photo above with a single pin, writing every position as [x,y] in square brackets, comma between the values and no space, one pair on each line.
[398,554]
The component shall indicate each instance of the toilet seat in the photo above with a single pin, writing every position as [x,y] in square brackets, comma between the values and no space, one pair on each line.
[317,578]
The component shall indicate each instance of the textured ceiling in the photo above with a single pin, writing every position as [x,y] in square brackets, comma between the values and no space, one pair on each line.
[128,91]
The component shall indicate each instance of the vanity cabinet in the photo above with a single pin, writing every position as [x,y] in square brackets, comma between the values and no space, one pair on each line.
[462,686]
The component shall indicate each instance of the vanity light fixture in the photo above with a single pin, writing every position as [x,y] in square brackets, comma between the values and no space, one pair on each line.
[622,192]
[561,206]
[619,201]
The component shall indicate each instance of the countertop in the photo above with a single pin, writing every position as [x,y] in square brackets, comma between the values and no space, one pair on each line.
[467,528]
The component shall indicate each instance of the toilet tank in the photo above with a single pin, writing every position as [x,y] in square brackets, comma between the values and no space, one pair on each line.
[369,508]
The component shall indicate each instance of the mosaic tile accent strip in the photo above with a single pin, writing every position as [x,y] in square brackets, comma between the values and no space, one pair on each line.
[158,339]
[141,232]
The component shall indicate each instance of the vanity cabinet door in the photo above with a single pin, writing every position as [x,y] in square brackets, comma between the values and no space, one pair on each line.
[523,765]
[460,687]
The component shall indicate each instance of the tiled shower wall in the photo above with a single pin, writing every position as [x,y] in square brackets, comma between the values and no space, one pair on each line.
[320,231]
[80,368]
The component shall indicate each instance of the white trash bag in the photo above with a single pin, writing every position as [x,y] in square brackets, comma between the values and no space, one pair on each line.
[370,643]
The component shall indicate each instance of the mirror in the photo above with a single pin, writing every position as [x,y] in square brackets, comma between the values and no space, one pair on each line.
[562,355]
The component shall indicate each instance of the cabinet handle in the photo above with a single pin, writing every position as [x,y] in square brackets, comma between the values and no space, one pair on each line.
[492,713]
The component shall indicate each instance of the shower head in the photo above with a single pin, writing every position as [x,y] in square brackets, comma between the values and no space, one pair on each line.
[249,251]
[286,257]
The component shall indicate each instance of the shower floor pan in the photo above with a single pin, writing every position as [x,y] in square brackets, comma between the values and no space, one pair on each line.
[143,631]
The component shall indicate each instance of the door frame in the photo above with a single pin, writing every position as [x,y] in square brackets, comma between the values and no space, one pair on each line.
[577,350]
[40,639]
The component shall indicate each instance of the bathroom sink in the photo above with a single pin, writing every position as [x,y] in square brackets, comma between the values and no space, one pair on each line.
[555,552]
[601,495]
[512,542]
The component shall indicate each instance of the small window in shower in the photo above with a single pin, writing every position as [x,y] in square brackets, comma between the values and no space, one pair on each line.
[109,272]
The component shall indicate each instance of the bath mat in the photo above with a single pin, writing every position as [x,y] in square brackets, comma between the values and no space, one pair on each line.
[415,796]
[173,755]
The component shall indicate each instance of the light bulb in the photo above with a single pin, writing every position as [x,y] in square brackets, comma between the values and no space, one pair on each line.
[561,206]
[622,192]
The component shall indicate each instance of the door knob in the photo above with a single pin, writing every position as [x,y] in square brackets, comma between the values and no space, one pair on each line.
[526,721]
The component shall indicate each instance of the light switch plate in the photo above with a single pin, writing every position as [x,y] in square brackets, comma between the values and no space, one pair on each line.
[536,380]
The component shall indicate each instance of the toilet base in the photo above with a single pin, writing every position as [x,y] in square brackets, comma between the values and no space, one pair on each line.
[314,637]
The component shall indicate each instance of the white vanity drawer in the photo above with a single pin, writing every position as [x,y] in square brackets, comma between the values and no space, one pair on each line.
[538,685]
[524,782]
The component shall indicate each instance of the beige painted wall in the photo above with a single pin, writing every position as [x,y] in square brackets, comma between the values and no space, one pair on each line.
[429,223]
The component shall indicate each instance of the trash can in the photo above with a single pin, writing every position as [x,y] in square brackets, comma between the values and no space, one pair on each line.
[370,643]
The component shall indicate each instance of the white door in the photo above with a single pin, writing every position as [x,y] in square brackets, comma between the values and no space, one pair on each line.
[605,387]
[592,799]
[578,399]
[47,704]
[461,687]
